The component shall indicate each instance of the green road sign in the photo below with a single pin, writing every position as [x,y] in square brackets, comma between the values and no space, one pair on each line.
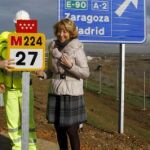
[76,4]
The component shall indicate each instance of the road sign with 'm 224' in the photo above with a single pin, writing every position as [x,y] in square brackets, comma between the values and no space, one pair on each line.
[114,21]
[27,50]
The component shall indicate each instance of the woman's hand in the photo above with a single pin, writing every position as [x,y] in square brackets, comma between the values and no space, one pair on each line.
[2,88]
[66,61]
[39,73]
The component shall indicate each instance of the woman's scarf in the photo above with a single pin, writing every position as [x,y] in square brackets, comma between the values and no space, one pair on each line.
[60,45]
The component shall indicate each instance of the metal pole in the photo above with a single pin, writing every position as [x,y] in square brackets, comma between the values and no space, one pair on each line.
[100,83]
[117,97]
[1,100]
[144,93]
[86,83]
[25,109]
[121,87]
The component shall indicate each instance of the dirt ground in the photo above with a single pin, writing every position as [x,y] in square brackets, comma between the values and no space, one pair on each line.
[91,138]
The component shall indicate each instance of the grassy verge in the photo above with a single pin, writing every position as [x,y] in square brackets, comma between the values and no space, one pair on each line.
[103,110]
[130,98]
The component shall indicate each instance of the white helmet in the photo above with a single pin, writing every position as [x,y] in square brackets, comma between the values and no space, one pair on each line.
[21,15]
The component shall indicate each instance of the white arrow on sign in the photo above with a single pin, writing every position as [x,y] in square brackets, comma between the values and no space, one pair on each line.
[124,6]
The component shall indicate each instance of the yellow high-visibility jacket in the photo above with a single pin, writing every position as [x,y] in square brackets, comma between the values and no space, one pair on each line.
[10,79]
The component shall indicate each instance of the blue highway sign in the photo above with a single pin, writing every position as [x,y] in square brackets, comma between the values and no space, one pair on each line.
[114,21]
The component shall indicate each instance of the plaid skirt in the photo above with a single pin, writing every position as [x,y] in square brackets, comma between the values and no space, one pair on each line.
[65,110]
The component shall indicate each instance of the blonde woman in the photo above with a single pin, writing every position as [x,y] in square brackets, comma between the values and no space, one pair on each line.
[68,67]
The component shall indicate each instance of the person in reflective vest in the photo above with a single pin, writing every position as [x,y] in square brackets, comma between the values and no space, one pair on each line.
[11,87]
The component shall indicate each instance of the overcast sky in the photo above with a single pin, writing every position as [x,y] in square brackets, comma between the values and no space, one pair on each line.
[45,11]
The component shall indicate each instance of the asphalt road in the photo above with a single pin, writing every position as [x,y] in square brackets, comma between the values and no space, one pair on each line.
[5,143]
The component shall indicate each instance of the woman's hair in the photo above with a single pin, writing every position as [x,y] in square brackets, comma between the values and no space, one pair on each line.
[69,26]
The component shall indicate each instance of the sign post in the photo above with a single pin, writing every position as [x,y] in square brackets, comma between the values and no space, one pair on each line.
[25,109]
[27,48]
[109,21]
[121,88]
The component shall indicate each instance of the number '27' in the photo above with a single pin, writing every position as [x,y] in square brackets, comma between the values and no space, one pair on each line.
[22,57]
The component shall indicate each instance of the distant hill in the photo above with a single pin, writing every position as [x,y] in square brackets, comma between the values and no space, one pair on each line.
[96,49]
